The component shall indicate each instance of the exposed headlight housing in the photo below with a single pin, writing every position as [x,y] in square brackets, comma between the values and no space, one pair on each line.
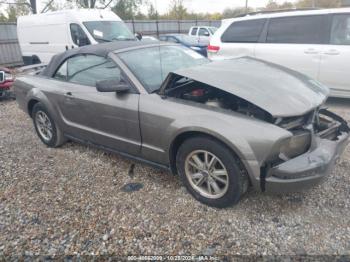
[296,145]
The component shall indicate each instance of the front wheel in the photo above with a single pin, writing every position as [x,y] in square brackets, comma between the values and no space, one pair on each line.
[47,130]
[210,172]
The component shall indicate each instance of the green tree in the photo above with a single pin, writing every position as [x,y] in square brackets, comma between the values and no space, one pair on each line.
[177,10]
[232,12]
[3,18]
[127,9]
[50,5]
[287,5]
[15,9]
[152,12]
[84,3]
[318,3]
[273,5]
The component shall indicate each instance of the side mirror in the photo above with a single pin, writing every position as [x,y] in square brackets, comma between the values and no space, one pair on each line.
[112,86]
[138,36]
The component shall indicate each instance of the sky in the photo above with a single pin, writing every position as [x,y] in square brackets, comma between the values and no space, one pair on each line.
[199,6]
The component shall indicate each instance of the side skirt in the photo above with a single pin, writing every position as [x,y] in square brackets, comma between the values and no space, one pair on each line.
[123,154]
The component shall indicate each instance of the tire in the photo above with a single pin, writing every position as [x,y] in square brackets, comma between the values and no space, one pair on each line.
[56,138]
[199,183]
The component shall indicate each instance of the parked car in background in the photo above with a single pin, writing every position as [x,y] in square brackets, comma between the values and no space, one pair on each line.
[202,32]
[314,42]
[220,125]
[42,36]
[6,81]
[188,41]
[149,38]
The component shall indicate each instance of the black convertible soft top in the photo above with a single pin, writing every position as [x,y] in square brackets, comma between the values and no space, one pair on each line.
[98,49]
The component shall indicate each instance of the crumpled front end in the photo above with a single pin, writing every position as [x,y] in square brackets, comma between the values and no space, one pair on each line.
[309,156]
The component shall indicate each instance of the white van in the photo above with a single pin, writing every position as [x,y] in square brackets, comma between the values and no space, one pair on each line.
[314,42]
[43,35]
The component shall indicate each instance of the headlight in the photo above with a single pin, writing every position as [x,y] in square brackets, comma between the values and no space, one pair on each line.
[8,77]
[195,48]
[296,145]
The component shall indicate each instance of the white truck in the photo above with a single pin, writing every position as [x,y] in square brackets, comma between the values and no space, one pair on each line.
[202,32]
[42,36]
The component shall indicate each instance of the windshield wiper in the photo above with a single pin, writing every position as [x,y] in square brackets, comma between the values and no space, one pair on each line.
[123,39]
[155,91]
[102,39]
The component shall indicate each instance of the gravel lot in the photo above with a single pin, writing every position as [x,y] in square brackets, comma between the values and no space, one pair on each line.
[70,200]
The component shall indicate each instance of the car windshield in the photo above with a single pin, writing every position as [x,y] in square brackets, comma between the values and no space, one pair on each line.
[152,65]
[107,31]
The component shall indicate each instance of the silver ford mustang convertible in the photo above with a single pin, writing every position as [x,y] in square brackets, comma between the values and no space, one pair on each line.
[221,126]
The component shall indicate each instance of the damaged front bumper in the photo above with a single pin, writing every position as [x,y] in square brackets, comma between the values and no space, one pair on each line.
[312,167]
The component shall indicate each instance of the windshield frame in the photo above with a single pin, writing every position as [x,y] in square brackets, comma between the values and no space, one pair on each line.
[103,39]
[142,83]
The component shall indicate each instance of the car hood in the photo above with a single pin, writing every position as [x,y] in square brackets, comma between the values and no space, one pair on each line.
[280,91]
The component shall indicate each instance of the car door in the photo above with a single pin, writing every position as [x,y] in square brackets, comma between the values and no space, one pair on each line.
[335,61]
[203,34]
[106,119]
[240,38]
[296,42]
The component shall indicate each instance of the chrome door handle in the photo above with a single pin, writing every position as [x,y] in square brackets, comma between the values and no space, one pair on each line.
[332,52]
[311,51]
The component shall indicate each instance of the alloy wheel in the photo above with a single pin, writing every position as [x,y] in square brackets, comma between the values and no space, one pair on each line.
[44,125]
[206,174]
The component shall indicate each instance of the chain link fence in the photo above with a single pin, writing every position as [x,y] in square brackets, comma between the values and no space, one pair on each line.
[10,52]
[158,27]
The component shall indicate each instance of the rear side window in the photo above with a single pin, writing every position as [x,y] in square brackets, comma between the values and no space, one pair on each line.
[340,34]
[194,31]
[297,30]
[244,31]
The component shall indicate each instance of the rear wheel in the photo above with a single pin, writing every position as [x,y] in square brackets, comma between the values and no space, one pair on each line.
[46,128]
[210,172]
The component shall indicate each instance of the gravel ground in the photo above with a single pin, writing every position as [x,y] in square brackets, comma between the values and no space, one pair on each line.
[70,200]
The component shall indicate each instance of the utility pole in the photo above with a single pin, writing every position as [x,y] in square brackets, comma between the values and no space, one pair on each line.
[246,6]
[33,6]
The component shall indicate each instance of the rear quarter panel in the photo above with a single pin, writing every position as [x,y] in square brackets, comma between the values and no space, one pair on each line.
[37,88]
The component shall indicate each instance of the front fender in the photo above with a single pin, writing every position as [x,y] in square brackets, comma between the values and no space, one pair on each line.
[250,139]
